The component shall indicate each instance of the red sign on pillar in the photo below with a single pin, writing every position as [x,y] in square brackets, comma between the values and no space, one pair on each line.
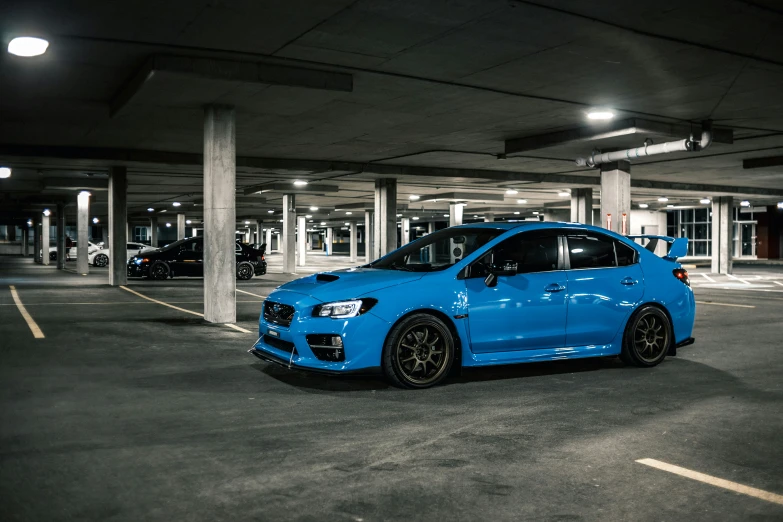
[625,221]
[609,222]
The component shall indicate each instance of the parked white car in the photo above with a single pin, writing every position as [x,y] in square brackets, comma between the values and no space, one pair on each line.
[101,256]
[91,249]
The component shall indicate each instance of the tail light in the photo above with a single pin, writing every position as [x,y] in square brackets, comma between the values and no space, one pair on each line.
[261,258]
[682,275]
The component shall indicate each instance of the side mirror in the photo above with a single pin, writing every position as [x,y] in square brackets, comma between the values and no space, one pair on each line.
[507,268]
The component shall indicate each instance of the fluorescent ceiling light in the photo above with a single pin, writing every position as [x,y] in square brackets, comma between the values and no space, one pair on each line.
[95,220]
[399,215]
[780,204]
[150,209]
[29,222]
[164,210]
[745,203]
[300,183]
[270,211]
[247,222]
[535,213]
[347,224]
[643,205]
[415,218]
[511,192]
[348,213]
[308,216]
[188,222]
[5,172]
[521,201]
[413,197]
[517,212]
[600,114]
[445,215]
[323,222]
[670,206]
[47,212]
[27,46]
[563,194]
[663,200]
[313,208]
[705,201]
[176,203]
[168,225]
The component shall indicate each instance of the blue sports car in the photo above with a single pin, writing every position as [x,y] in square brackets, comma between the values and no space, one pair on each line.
[481,295]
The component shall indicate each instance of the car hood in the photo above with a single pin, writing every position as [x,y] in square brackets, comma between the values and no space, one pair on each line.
[348,283]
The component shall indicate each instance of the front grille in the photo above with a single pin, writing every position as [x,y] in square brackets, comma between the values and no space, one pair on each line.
[283,346]
[278,313]
[324,348]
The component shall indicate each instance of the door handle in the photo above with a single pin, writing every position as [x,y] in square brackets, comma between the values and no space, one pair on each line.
[554,287]
[628,281]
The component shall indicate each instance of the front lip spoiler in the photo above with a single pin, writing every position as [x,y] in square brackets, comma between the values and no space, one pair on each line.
[268,357]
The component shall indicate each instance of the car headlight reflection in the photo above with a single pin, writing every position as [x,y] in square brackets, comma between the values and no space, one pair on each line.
[344,309]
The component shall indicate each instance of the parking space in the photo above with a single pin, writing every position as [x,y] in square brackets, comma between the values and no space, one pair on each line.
[130,410]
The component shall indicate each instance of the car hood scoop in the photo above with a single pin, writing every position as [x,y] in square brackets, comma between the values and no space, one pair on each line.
[348,283]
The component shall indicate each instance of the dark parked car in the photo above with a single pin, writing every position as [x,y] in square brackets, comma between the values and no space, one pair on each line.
[186,258]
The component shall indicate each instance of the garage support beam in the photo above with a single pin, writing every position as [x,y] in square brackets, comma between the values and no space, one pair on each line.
[329,240]
[582,206]
[354,241]
[616,197]
[82,231]
[405,231]
[25,241]
[268,240]
[37,241]
[722,234]
[61,236]
[288,239]
[369,235]
[154,231]
[301,240]
[219,214]
[180,226]
[489,217]
[385,216]
[118,226]
[45,228]
[455,214]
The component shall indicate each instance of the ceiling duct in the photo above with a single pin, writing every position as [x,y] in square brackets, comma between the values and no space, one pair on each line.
[686,145]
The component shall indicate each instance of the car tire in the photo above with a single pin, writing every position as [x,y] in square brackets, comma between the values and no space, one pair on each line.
[647,337]
[100,260]
[159,271]
[418,352]
[244,271]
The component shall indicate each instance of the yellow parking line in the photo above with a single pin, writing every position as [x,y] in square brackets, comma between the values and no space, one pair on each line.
[37,333]
[250,293]
[725,304]
[714,481]
[233,326]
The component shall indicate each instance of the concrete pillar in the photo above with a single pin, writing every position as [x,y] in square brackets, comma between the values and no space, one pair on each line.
[180,226]
[60,236]
[329,241]
[118,228]
[25,241]
[45,224]
[455,214]
[154,231]
[368,236]
[37,240]
[268,240]
[82,231]
[489,217]
[616,196]
[259,236]
[354,241]
[219,214]
[105,234]
[549,215]
[722,234]
[288,244]
[431,248]
[405,229]
[10,233]
[385,229]
[301,240]
[582,206]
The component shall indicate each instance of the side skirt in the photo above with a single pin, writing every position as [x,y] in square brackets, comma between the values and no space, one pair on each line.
[549,354]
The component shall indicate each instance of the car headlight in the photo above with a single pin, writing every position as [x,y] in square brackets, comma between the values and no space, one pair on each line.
[344,309]
[138,260]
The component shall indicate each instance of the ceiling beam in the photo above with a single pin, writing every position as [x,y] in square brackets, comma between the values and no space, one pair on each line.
[760,163]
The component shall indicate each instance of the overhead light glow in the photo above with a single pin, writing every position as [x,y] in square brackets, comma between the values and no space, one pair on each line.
[188,222]
[600,114]
[95,220]
[46,212]
[300,183]
[399,215]
[323,222]
[348,213]
[27,46]
[29,222]
[535,213]
[670,206]
[745,203]
[308,216]
[168,225]
[475,215]
[516,213]
[521,201]
[150,209]
[270,211]
[643,205]
[563,194]
[663,200]
[511,192]
[415,218]
[347,224]
[313,208]
[176,203]
[705,201]
[85,193]
[5,172]
[445,215]
[164,210]
[413,197]
[780,204]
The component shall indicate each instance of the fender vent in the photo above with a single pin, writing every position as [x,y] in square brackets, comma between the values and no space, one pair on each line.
[326,278]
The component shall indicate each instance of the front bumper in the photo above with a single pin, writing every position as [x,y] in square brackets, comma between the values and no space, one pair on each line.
[135,270]
[362,336]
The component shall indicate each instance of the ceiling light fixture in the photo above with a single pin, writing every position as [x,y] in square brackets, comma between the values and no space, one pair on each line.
[413,197]
[300,183]
[521,201]
[308,216]
[415,218]
[150,209]
[347,224]
[399,215]
[705,201]
[313,208]
[643,205]
[95,220]
[188,222]
[85,193]
[176,203]
[323,222]
[445,215]
[600,114]
[47,212]
[663,200]
[29,222]
[669,206]
[247,222]
[563,194]
[348,213]
[27,46]
[511,192]
[168,225]
[5,172]
[270,211]
[535,213]
[745,203]
[516,213]
[780,204]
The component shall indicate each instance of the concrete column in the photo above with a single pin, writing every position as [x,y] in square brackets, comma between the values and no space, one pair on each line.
[288,244]
[489,217]
[616,196]
[259,236]
[431,248]
[455,214]
[60,236]
[354,240]
[45,224]
[368,236]
[10,233]
[722,234]
[154,231]
[219,214]
[82,232]
[582,206]
[105,234]
[268,240]
[37,240]
[385,229]
[405,229]
[25,241]
[549,215]
[329,240]
[301,240]
[180,226]
[118,226]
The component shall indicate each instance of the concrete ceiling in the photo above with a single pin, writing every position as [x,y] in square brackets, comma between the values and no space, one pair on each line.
[435,85]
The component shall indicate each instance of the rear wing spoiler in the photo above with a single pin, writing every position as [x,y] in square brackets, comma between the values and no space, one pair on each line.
[678,246]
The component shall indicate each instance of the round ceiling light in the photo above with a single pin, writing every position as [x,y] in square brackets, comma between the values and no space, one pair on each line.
[745,203]
[47,212]
[413,197]
[168,225]
[95,220]
[188,222]
[176,203]
[27,46]
[521,201]
[643,205]
[5,172]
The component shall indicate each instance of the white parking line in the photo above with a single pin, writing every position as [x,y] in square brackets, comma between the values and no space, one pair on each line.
[233,326]
[724,304]
[250,293]
[714,481]
[778,283]
[37,333]
[738,279]
[708,278]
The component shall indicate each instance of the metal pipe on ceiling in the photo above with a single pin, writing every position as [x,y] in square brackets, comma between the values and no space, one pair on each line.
[685,145]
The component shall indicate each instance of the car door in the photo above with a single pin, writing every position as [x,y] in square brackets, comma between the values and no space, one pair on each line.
[189,259]
[524,311]
[605,282]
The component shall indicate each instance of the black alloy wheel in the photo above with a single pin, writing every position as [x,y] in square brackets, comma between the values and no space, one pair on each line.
[100,260]
[419,352]
[647,338]
[159,270]
[244,271]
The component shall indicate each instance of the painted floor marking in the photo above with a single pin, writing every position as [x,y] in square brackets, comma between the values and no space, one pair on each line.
[250,293]
[778,283]
[724,304]
[233,326]
[708,278]
[714,481]
[738,279]
[37,333]
[118,303]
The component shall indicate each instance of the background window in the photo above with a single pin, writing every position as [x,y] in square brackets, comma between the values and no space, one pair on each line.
[591,251]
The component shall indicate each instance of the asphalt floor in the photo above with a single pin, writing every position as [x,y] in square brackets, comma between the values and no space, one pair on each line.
[129,410]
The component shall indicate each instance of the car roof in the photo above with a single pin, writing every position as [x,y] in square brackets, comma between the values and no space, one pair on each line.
[530,225]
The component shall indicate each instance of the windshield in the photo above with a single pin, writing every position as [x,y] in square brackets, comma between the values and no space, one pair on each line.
[437,251]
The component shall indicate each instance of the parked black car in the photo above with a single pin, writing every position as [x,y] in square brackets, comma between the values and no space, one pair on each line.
[186,258]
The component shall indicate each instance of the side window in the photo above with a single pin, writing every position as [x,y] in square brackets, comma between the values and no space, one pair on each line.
[237,249]
[191,246]
[530,252]
[625,254]
[591,251]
